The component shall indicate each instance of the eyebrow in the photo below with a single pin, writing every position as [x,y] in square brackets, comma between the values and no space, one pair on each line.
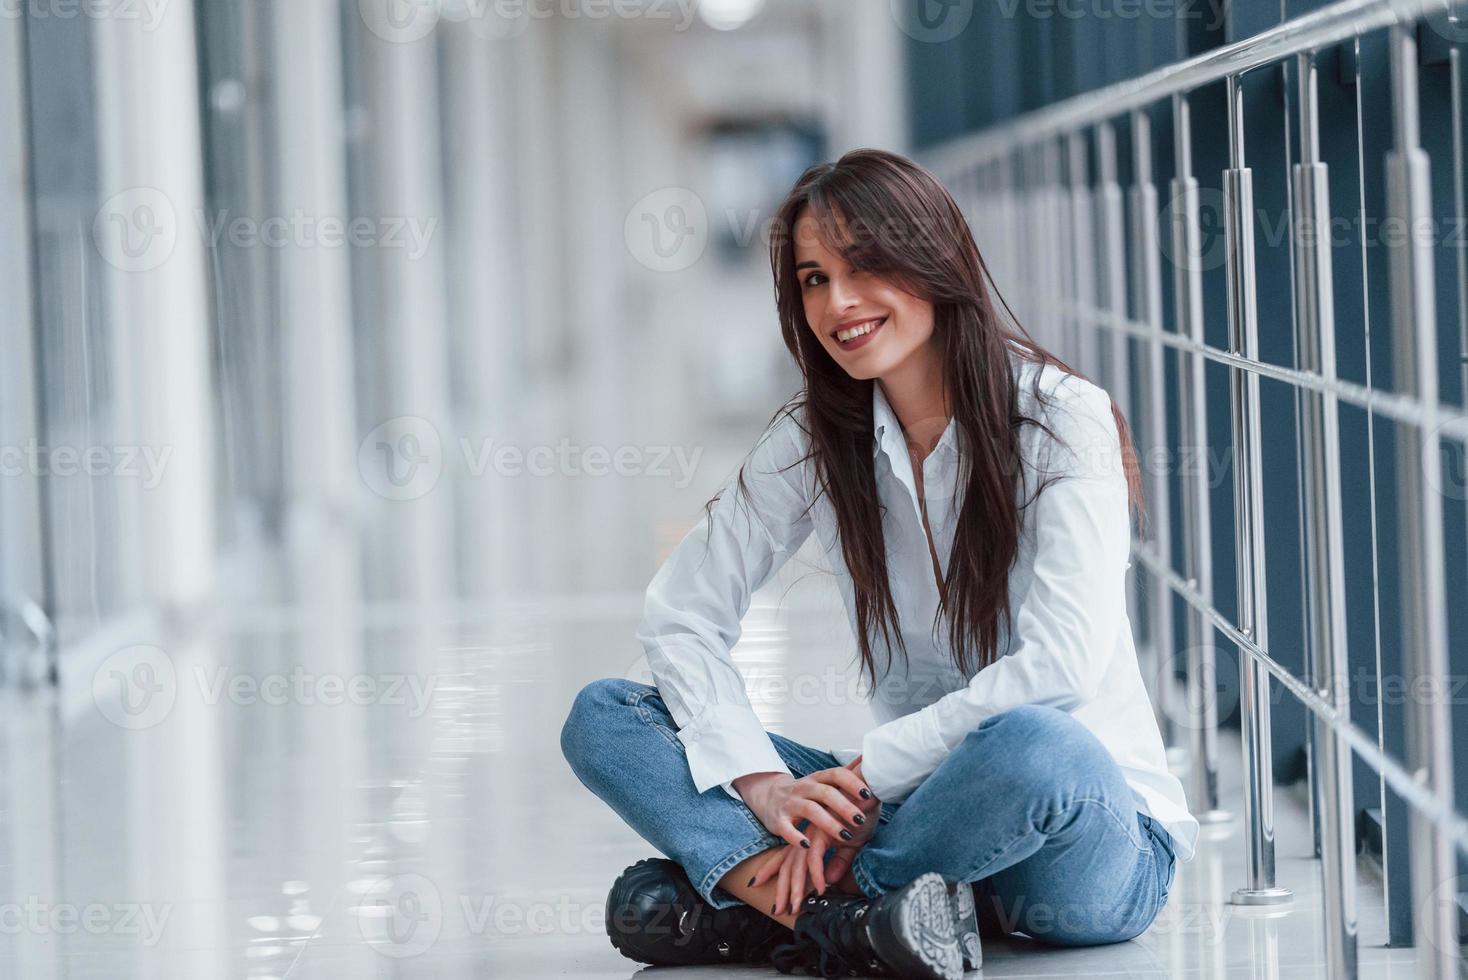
[807,264]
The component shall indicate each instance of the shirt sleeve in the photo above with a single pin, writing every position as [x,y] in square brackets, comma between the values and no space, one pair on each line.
[695,602]
[1067,622]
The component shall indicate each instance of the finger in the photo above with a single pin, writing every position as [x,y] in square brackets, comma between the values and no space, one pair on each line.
[797,880]
[848,782]
[839,864]
[771,865]
[820,817]
[839,805]
[817,868]
[782,885]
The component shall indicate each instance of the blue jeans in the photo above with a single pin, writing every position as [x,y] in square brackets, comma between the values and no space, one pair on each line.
[1030,809]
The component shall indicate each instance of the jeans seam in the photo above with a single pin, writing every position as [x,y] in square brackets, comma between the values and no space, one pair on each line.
[994,855]
[646,714]
[864,880]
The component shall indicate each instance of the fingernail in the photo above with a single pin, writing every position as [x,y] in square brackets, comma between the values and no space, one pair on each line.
[751,881]
[804,843]
[859,819]
[866,794]
[846,835]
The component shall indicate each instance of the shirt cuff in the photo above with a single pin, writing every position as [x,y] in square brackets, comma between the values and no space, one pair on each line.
[898,756]
[725,742]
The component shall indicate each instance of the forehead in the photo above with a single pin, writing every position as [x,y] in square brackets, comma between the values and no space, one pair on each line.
[811,241]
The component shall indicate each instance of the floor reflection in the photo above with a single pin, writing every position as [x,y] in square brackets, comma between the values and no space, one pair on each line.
[378,795]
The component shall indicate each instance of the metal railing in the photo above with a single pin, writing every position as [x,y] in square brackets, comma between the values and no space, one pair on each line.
[1091,287]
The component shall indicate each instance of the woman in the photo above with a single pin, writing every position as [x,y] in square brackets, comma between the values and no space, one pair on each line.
[953,472]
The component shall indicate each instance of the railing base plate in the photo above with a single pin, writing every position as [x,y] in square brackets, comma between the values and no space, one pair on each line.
[1262,896]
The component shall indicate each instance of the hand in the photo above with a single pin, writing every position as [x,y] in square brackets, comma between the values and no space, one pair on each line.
[830,800]
[793,867]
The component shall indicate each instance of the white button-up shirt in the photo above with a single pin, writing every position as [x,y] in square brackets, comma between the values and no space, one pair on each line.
[1070,644]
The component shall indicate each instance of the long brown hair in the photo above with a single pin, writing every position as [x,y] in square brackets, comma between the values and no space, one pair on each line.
[890,216]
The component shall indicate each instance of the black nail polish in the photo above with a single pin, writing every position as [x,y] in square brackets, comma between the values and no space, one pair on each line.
[846,835]
[859,819]
[804,843]
[866,794]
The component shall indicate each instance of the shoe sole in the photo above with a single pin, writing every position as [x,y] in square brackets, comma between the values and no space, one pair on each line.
[966,924]
[921,917]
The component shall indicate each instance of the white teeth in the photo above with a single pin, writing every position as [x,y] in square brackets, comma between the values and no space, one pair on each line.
[857,331]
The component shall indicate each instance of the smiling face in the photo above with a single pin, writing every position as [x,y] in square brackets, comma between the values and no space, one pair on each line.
[868,325]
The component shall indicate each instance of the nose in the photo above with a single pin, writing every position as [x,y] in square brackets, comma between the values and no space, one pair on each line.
[841,298]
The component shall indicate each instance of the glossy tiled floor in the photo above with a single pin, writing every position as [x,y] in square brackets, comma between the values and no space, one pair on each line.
[365,792]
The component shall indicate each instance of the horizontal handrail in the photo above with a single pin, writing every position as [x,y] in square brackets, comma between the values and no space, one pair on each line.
[1315,30]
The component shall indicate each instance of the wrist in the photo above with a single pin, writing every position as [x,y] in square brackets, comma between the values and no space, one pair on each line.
[752,785]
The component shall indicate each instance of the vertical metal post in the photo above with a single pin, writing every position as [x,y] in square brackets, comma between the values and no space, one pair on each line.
[1424,612]
[1325,568]
[1112,255]
[1083,243]
[1146,265]
[1243,329]
[1197,557]
[1052,280]
[1065,253]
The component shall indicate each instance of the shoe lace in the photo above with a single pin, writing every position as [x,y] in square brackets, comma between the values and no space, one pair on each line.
[830,940]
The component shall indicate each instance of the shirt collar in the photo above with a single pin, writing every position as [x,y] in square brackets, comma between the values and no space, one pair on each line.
[887,430]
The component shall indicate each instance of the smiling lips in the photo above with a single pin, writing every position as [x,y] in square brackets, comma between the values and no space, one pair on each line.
[858,334]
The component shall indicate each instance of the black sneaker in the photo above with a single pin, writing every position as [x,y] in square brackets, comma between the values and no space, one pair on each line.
[907,932]
[966,924]
[655,915]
